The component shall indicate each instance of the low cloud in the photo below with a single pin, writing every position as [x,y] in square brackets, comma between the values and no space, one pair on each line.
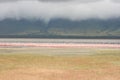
[53,0]
[67,9]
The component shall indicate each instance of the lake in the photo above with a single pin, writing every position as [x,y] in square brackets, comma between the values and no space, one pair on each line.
[67,41]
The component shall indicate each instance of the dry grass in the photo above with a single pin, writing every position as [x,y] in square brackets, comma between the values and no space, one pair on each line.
[59,64]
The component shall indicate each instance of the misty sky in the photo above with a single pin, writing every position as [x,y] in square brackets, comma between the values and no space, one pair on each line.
[67,9]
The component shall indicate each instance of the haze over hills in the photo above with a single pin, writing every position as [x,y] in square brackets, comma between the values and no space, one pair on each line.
[60,28]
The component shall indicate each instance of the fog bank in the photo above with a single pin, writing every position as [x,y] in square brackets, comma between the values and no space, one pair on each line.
[66,9]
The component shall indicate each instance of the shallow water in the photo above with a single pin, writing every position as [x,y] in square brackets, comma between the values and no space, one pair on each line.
[75,41]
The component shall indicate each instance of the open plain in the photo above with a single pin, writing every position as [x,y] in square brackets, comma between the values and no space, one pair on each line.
[59,62]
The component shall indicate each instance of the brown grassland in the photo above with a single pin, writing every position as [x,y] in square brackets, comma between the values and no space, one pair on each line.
[46,63]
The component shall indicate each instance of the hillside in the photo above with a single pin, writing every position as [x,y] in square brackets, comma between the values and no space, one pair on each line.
[60,28]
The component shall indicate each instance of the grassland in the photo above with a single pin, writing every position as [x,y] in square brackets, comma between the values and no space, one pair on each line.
[59,64]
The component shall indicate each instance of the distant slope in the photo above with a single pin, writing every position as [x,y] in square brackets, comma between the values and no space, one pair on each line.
[60,28]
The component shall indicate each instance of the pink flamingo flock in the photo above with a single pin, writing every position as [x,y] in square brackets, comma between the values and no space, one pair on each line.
[61,45]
